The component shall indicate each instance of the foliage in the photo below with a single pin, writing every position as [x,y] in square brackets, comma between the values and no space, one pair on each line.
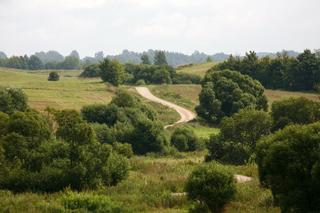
[226,92]
[185,140]
[212,186]
[294,111]
[33,160]
[288,163]
[12,100]
[91,71]
[90,202]
[112,72]
[53,76]
[129,121]
[238,136]
[160,58]
[124,149]
[145,59]
[281,72]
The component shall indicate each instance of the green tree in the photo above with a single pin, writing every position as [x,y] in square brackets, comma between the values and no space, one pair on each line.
[226,92]
[35,63]
[294,111]
[112,72]
[145,59]
[160,58]
[211,185]
[53,76]
[91,71]
[185,140]
[12,100]
[239,134]
[289,164]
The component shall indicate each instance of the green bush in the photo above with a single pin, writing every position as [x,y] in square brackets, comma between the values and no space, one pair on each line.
[211,185]
[238,136]
[91,71]
[289,164]
[112,71]
[124,149]
[90,203]
[104,134]
[12,100]
[53,76]
[185,140]
[294,111]
[226,92]
[141,82]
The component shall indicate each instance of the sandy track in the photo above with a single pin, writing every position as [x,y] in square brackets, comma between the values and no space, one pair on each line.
[186,115]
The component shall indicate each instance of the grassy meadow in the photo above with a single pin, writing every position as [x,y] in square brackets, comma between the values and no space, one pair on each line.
[198,69]
[151,187]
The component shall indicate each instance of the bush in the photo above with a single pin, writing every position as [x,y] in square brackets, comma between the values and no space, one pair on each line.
[91,71]
[140,82]
[294,111]
[186,78]
[103,133]
[12,100]
[89,202]
[211,185]
[238,136]
[53,76]
[185,140]
[226,92]
[112,71]
[288,162]
[124,149]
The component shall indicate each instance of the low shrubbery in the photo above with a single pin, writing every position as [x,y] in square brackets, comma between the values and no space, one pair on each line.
[185,140]
[12,100]
[53,76]
[212,186]
[238,136]
[294,111]
[91,71]
[289,165]
[127,120]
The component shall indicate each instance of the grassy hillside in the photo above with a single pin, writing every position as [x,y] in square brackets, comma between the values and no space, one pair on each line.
[150,187]
[69,92]
[198,69]
[187,95]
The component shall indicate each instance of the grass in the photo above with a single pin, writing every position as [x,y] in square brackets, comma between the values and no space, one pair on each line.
[149,188]
[187,95]
[67,93]
[198,69]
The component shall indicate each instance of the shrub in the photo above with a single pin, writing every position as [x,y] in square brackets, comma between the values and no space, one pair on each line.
[288,162]
[124,149]
[112,71]
[238,136]
[103,133]
[211,185]
[226,92]
[184,140]
[91,71]
[89,202]
[141,82]
[12,100]
[294,111]
[186,78]
[53,76]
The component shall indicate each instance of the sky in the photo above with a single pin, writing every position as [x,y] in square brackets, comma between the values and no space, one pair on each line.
[210,26]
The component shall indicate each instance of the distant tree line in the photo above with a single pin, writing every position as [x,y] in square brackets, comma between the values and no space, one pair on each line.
[158,73]
[281,72]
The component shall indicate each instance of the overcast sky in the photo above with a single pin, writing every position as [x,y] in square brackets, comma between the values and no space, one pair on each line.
[231,26]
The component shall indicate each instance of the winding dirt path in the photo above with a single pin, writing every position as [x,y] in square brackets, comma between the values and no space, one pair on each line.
[185,115]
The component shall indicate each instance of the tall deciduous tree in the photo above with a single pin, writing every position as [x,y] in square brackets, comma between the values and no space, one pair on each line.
[160,58]
[145,59]
[112,71]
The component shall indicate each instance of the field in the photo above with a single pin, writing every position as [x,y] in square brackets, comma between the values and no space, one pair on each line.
[187,95]
[198,69]
[150,187]
[68,93]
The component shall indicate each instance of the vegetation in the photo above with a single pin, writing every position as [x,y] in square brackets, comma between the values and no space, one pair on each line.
[36,157]
[112,72]
[212,186]
[238,136]
[129,121]
[282,72]
[53,76]
[226,92]
[196,69]
[289,164]
[185,140]
[160,58]
[91,71]
[294,111]
[12,100]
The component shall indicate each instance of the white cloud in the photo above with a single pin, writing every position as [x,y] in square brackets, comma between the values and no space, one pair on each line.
[181,25]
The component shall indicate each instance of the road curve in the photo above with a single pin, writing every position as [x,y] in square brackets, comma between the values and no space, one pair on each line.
[186,115]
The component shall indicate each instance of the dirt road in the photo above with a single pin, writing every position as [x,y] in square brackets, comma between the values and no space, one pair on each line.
[186,115]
